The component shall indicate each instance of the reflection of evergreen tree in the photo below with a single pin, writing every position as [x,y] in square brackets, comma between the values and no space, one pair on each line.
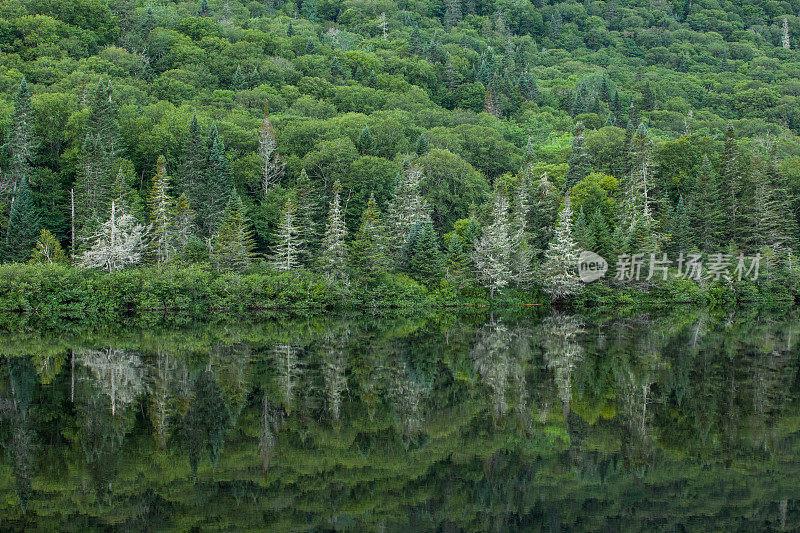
[205,423]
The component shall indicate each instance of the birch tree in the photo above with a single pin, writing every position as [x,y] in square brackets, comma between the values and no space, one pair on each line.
[120,241]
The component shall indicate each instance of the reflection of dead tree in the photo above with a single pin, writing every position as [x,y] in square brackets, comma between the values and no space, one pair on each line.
[118,372]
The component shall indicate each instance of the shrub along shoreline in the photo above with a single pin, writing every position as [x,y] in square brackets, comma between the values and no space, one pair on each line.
[52,293]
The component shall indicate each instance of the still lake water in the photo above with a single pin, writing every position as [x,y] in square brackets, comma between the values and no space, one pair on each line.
[681,422]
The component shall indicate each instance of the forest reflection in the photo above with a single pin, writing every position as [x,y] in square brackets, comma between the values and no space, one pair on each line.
[684,420]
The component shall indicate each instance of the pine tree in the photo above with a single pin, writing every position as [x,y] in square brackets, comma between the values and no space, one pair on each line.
[415,41]
[334,256]
[48,250]
[579,104]
[238,83]
[162,245]
[561,259]
[649,102]
[232,246]
[738,213]
[289,246]
[775,225]
[368,249]
[582,234]
[637,213]
[420,255]
[493,251]
[617,110]
[218,182]
[544,212]
[601,235]
[458,254]
[605,89]
[580,164]
[422,145]
[19,145]
[23,225]
[785,33]
[272,164]
[311,46]
[679,227]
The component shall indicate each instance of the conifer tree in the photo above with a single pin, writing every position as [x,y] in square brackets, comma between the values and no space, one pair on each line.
[420,255]
[544,212]
[193,175]
[583,235]
[407,208]
[183,217]
[19,146]
[528,87]
[204,10]
[311,46]
[23,225]
[561,259]
[289,245]
[649,102]
[272,164]
[705,209]
[774,221]
[679,227]
[336,68]
[580,164]
[218,184]
[232,246]
[493,251]
[452,13]
[368,250]
[162,245]
[617,110]
[605,89]
[365,142]
[601,235]
[305,213]
[422,145]
[238,82]
[333,259]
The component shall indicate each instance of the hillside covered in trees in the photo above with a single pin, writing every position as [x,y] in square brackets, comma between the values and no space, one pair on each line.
[465,148]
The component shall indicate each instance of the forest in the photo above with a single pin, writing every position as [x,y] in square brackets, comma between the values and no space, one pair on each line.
[379,152]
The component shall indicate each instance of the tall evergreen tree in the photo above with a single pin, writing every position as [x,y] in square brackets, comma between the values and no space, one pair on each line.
[232,245]
[407,208]
[19,146]
[580,163]
[306,211]
[493,251]
[706,212]
[420,255]
[193,174]
[334,254]
[368,250]
[289,246]
[561,259]
[23,225]
[219,186]
[162,245]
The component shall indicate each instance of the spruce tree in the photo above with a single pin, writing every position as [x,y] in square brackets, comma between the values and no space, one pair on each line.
[289,246]
[162,245]
[544,212]
[334,254]
[365,142]
[23,225]
[193,174]
[232,245]
[420,255]
[601,235]
[183,217]
[580,164]
[368,255]
[219,186]
[19,146]
[583,235]
[679,227]
[493,251]
[306,211]
[617,110]
[407,208]
[706,211]
[561,259]
[422,145]
[272,164]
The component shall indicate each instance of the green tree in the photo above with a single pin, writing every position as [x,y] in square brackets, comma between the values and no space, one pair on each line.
[561,259]
[232,245]
[420,255]
[580,163]
[162,245]
[334,253]
[219,187]
[23,225]
[368,255]
[289,245]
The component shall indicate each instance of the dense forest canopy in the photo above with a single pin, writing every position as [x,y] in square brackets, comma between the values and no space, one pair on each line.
[361,137]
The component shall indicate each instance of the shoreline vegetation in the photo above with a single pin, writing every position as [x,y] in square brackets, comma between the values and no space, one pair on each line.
[43,295]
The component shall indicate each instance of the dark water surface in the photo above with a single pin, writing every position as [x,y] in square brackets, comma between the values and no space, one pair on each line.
[686,421]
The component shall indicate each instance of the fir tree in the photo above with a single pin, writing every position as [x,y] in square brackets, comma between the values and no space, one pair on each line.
[601,235]
[561,259]
[218,181]
[368,249]
[336,69]
[528,87]
[306,209]
[679,227]
[493,251]
[193,175]
[580,164]
[452,13]
[289,246]
[617,110]
[705,209]
[605,89]
[19,145]
[649,102]
[23,225]
[415,41]
[422,145]
[183,217]
[232,246]
[311,46]
[544,212]
[420,255]
[334,256]
[161,215]
[582,234]
[238,82]
[407,207]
